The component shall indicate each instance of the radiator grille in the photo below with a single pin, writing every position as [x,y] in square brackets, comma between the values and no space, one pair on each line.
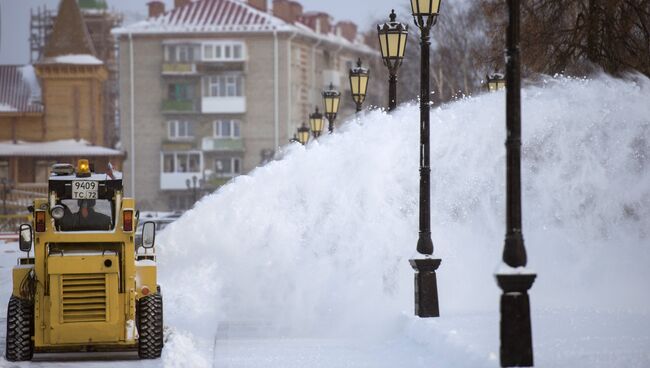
[83,297]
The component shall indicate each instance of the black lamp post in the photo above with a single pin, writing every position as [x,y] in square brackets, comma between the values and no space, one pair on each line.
[195,184]
[316,123]
[294,139]
[515,329]
[331,99]
[303,134]
[495,82]
[359,84]
[425,15]
[392,43]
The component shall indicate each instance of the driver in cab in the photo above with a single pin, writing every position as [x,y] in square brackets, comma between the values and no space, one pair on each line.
[86,219]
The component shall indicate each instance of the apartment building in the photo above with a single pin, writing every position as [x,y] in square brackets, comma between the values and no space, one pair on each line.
[211,88]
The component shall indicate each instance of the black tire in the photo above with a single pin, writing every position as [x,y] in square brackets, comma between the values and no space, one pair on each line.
[20,346]
[150,326]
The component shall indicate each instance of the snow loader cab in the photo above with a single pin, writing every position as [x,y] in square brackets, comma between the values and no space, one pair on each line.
[83,286]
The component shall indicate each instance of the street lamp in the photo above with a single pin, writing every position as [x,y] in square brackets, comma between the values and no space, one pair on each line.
[392,43]
[425,15]
[195,184]
[495,82]
[359,84]
[515,328]
[303,134]
[332,99]
[316,123]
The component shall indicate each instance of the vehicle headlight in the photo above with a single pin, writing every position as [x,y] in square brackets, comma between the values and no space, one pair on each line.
[57,212]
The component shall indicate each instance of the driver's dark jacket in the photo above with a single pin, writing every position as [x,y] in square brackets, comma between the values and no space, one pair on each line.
[94,221]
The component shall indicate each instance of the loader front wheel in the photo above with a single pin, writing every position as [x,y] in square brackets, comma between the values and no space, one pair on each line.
[19,345]
[150,326]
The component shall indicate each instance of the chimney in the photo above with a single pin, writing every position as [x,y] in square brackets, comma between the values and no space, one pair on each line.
[156,8]
[259,5]
[296,10]
[287,10]
[181,3]
[282,10]
[318,21]
[347,29]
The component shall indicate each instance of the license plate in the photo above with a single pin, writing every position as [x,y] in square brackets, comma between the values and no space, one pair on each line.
[84,189]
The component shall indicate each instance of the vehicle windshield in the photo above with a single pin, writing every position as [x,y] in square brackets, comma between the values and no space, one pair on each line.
[86,215]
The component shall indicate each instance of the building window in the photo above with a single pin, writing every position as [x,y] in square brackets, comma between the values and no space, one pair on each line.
[223,51]
[224,85]
[4,170]
[180,129]
[180,91]
[181,162]
[180,53]
[227,167]
[227,129]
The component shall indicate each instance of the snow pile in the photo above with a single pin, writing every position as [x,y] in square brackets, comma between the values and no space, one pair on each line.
[318,243]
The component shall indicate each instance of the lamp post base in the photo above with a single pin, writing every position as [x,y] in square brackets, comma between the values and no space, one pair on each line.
[426,287]
[515,330]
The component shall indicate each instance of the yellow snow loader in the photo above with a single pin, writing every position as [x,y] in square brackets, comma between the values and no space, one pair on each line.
[86,287]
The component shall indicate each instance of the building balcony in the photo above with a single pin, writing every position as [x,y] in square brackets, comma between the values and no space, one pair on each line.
[211,67]
[223,105]
[178,144]
[178,69]
[179,106]
[177,181]
[222,145]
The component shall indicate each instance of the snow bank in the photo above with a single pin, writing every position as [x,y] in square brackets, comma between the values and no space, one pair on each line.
[318,243]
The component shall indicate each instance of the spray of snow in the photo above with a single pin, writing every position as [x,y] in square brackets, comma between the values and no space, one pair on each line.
[319,242]
[29,77]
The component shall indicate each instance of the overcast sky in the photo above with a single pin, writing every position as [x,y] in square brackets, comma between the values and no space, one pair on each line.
[14,18]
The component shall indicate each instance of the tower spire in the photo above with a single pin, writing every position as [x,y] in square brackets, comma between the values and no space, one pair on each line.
[70,35]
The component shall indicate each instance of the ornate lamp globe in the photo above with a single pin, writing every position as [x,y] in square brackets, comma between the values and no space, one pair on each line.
[359,83]
[331,99]
[316,123]
[425,12]
[303,134]
[392,42]
[496,82]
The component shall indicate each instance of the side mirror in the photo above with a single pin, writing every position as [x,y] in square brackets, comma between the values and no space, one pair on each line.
[25,235]
[148,234]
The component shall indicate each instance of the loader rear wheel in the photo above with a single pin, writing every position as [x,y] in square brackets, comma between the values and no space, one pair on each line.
[150,326]
[19,330]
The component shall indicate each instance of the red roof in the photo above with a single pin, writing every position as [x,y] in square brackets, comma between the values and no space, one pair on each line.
[19,89]
[222,13]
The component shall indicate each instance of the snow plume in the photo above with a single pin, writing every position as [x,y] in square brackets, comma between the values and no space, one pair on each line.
[319,242]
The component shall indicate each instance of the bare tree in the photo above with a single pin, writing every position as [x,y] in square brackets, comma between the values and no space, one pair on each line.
[577,36]
[456,69]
